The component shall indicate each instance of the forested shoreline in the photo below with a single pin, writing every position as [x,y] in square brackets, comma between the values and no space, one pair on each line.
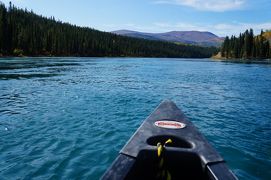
[247,46]
[23,33]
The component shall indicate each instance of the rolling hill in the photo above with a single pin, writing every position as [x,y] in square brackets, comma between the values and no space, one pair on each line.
[184,37]
[24,33]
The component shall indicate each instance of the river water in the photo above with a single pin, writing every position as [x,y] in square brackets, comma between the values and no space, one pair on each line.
[67,118]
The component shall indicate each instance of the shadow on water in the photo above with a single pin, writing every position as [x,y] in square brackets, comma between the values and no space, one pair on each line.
[33,63]
[25,76]
[33,68]
[19,65]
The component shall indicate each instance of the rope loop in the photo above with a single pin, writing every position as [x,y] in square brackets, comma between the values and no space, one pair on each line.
[163,173]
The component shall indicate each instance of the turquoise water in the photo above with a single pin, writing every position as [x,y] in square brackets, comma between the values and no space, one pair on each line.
[67,118]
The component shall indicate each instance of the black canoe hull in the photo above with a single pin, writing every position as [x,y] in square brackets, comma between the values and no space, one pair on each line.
[189,156]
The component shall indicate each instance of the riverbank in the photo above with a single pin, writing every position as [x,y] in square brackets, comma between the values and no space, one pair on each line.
[218,57]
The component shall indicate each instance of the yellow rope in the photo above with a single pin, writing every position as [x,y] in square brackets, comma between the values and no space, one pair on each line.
[163,174]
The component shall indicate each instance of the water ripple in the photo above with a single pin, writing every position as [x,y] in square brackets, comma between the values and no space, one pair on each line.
[67,118]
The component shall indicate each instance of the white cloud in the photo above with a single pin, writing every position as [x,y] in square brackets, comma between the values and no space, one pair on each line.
[207,5]
[236,28]
[221,29]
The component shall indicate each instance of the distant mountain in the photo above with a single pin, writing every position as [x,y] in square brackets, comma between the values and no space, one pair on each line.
[185,37]
[23,33]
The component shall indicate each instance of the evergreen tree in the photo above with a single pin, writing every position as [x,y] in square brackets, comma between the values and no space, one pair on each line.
[226,47]
[3,28]
[246,46]
[25,33]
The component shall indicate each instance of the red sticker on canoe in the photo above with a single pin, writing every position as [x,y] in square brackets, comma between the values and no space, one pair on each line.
[170,124]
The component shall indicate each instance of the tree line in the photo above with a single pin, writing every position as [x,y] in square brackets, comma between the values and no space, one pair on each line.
[23,33]
[246,46]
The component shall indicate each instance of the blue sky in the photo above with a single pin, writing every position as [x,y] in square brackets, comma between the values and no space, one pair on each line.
[222,17]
